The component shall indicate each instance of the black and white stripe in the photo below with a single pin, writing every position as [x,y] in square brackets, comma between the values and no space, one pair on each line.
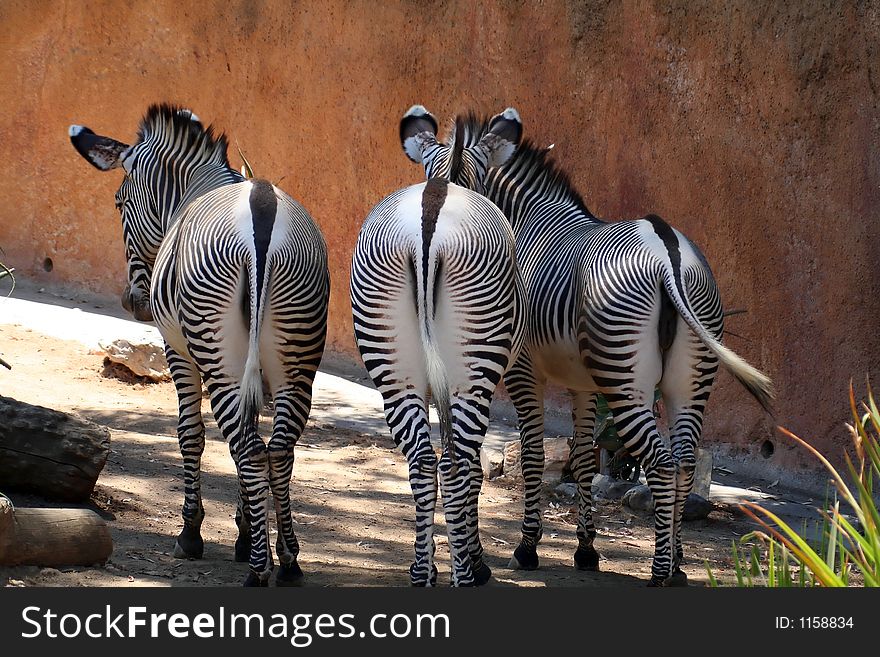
[234,272]
[618,308]
[436,302]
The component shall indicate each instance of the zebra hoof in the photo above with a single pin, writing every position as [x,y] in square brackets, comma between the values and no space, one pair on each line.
[586,559]
[419,581]
[524,558]
[289,575]
[677,578]
[253,579]
[189,544]
[242,549]
[482,574]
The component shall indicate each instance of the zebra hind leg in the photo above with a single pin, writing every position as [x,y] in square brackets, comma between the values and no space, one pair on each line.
[686,426]
[423,481]
[407,419]
[286,545]
[688,375]
[455,482]
[191,438]
[583,465]
[243,540]
[482,572]
[637,427]
[527,395]
[253,471]
[291,412]
[252,465]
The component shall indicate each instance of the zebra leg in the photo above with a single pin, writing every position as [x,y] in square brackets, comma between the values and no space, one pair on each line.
[583,466]
[455,484]
[252,464]
[253,470]
[687,380]
[684,454]
[407,418]
[422,466]
[637,427]
[470,420]
[191,438]
[527,394]
[243,540]
[482,572]
[291,413]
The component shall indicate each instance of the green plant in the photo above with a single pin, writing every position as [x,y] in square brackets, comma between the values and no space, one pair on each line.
[848,547]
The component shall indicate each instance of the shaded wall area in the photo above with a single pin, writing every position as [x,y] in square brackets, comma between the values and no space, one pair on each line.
[751,126]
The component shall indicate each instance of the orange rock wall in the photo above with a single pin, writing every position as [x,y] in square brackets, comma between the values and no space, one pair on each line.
[751,126]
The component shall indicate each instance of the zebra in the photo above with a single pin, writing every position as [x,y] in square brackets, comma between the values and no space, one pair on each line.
[617,308]
[436,305]
[234,273]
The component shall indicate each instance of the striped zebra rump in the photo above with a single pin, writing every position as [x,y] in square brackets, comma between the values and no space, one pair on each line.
[435,302]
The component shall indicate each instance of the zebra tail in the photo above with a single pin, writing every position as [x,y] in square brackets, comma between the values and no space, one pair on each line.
[756,382]
[251,389]
[435,367]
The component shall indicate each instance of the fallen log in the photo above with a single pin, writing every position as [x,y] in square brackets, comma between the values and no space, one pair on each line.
[52,537]
[52,454]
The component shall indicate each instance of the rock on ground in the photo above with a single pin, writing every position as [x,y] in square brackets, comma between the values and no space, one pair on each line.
[143,359]
[640,500]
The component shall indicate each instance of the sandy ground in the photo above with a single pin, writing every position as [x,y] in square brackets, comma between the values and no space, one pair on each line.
[352,502]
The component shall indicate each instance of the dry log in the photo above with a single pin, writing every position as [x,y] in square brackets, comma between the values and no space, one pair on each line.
[52,454]
[52,537]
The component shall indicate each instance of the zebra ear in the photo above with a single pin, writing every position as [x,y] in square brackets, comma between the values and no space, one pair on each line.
[413,125]
[502,140]
[102,153]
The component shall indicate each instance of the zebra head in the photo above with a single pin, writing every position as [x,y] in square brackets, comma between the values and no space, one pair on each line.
[472,149]
[171,143]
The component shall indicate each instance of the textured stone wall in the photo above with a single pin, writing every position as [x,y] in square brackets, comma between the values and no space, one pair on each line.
[752,126]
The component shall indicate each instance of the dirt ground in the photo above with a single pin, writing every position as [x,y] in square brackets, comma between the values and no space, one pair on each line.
[352,503]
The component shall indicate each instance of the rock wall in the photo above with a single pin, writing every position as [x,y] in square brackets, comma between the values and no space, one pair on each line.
[752,126]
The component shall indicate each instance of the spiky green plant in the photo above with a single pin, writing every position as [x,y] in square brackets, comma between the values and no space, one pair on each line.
[848,547]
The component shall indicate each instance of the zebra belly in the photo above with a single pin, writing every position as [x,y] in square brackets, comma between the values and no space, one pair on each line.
[561,363]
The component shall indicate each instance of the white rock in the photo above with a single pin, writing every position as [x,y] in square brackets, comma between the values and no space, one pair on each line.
[143,358]
[604,487]
[568,490]
[511,460]
[703,473]
[556,453]
[492,461]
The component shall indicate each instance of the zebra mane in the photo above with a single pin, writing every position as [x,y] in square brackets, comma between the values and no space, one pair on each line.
[531,167]
[469,128]
[174,125]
